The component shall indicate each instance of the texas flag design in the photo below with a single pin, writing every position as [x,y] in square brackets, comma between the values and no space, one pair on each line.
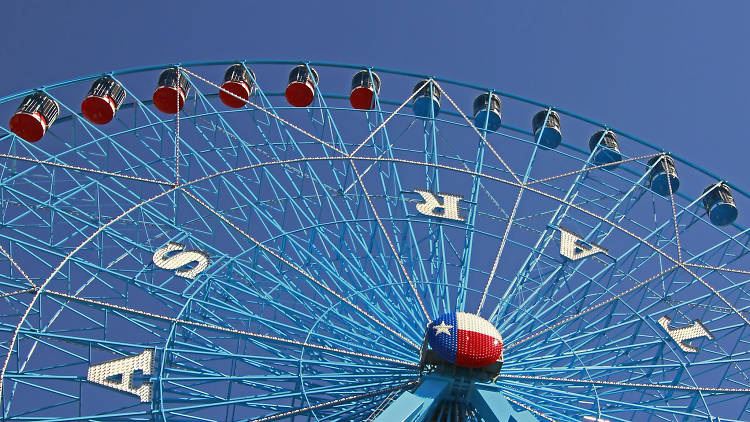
[465,339]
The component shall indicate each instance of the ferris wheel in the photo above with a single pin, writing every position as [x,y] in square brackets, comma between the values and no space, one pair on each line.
[264,240]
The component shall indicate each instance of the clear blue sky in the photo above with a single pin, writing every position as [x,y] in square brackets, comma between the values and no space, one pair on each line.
[672,72]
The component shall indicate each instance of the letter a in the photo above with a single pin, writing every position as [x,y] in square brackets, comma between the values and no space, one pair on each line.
[572,246]
[434,208]
[123,369]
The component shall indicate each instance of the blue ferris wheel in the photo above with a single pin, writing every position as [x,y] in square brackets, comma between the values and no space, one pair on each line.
[264,240]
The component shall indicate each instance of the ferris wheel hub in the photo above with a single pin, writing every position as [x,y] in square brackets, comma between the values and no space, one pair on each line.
[465,340]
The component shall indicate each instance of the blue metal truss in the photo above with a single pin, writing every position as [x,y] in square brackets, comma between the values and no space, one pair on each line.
[323,274]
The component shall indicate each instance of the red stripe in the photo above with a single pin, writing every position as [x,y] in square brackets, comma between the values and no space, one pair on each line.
[476,349]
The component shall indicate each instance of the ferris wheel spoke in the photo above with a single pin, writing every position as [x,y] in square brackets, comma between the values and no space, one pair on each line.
[590,308]
[424,264]
[588,279]
[650,245]
[396,254]
[327,124]
[613,405]
[476,186]
[18,292]
[345,331]
[302,298]
[589,168]
[381,144]
[529,407]
[83,169]
[188,323]
[281,411]
[92,137]
[644,353]
[270,114]
[342,332]
[384,121]
[374,394]
[500,251]
[549,406]
[604,279]
[291,197]
[299,270]
[560,214]
[20,270]
[471,124]
[732,246]
[627,384]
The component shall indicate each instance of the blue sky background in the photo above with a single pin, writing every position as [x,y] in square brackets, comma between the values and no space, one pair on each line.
[672,72]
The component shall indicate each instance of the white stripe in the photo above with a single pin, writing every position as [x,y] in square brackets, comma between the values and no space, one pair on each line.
[473,322]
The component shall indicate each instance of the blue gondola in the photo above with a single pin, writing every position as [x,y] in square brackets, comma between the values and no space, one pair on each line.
[427,101]
[719,204]
[663,174]
[551,136]
[608,150]
[487,108]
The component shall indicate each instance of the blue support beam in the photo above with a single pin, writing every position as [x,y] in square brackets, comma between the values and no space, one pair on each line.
[419,405]
[492,406]
[487,399]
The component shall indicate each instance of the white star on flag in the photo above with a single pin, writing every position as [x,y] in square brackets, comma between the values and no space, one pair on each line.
[442,328]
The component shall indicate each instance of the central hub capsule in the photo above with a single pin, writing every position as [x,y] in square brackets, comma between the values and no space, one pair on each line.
[465,339]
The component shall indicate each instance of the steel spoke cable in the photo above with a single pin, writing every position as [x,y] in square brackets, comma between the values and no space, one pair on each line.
[196,324]
[333,402]
[612,405]
[626,384]
[628,232]
[18,292]
[85,169]
[44,329]
[674,212]
[258,400]
[467,172]
[710,267]
[396,255]
[588,169]
[58,268]
[397,160]
[273,115]
[386,120]
[459,170]
[177,134]
[286,166]
[563,403]
[529,408]
[419,299]
[20,270]
[591,308]
[299,270]
[471,124]
[499,251]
